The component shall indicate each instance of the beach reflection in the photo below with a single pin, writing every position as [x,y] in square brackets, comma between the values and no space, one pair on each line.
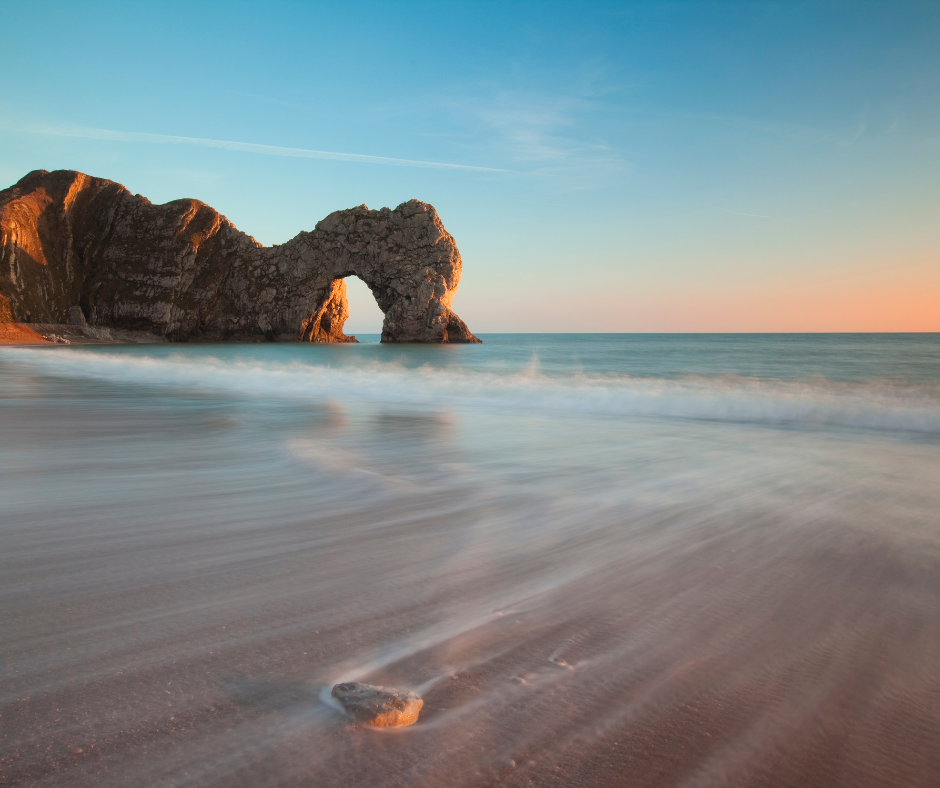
[580,597]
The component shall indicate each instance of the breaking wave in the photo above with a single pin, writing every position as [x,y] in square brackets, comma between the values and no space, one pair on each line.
[872,405]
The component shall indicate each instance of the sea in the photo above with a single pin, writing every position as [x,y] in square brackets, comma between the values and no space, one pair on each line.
[600,559]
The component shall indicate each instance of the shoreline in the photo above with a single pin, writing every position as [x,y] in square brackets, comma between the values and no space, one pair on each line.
[21,334]
[47,334]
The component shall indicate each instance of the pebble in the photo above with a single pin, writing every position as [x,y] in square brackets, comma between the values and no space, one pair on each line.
[378,707]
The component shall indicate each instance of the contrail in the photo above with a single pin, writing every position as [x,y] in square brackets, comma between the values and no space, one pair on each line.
[738,213]
[245,147]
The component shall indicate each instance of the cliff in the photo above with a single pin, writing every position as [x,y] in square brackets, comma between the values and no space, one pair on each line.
[184,271]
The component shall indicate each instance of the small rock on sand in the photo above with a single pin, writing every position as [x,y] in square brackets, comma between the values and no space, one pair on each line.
[378,707]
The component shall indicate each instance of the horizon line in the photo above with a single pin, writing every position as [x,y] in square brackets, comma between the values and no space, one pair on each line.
[696,333]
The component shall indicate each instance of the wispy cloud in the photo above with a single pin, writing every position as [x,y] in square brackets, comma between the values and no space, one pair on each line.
[737,213]
[794,132]
[84,132]
[552,133]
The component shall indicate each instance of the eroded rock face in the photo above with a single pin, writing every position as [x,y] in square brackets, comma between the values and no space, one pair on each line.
[184,271]
[326,325]
[378,707]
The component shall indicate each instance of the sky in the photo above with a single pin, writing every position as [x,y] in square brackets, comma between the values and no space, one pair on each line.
[615,167]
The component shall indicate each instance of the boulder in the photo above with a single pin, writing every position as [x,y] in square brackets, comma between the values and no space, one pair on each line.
[378,707]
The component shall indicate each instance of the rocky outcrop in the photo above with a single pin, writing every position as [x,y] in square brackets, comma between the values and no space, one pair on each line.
[378,707]
[185,272]
[326,325]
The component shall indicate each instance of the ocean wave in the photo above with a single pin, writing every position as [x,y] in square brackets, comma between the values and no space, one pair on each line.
[873,405]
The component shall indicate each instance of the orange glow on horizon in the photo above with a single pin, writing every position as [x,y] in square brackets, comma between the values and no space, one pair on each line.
[873,295]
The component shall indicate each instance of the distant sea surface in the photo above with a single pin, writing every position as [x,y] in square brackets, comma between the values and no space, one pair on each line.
[639,560]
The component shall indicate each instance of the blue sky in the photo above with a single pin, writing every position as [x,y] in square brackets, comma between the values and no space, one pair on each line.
[623,167]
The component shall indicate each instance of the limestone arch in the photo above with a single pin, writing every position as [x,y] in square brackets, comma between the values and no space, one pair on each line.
[70,242]
[408,261]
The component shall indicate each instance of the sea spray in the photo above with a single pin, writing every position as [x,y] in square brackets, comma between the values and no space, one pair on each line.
[877,403]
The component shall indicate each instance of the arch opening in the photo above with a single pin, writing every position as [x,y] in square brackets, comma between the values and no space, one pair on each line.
[365,315]
[328,322]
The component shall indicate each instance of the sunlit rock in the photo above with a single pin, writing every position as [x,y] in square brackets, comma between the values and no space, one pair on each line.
[378,707]
[72,244]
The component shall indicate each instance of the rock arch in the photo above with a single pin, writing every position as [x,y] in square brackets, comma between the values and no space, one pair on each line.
[405,256]
[184,271]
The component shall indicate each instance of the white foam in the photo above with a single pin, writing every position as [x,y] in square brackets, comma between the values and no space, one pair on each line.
[875,405]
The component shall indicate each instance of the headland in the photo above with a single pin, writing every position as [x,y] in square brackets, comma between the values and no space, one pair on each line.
[81,251]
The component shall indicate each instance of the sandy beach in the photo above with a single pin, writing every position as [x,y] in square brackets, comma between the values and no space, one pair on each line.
[198,542]
[66,334]
[20,334]
[462,395]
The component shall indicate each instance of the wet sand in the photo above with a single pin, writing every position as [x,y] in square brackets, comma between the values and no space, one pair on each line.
[184,577]
[814,667]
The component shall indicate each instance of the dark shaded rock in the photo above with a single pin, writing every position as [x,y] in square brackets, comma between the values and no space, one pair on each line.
[378,707]
[70,242]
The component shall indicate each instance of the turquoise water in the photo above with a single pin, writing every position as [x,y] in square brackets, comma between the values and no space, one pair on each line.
[586,552]
[879,381]
[912,358]
[905,358]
